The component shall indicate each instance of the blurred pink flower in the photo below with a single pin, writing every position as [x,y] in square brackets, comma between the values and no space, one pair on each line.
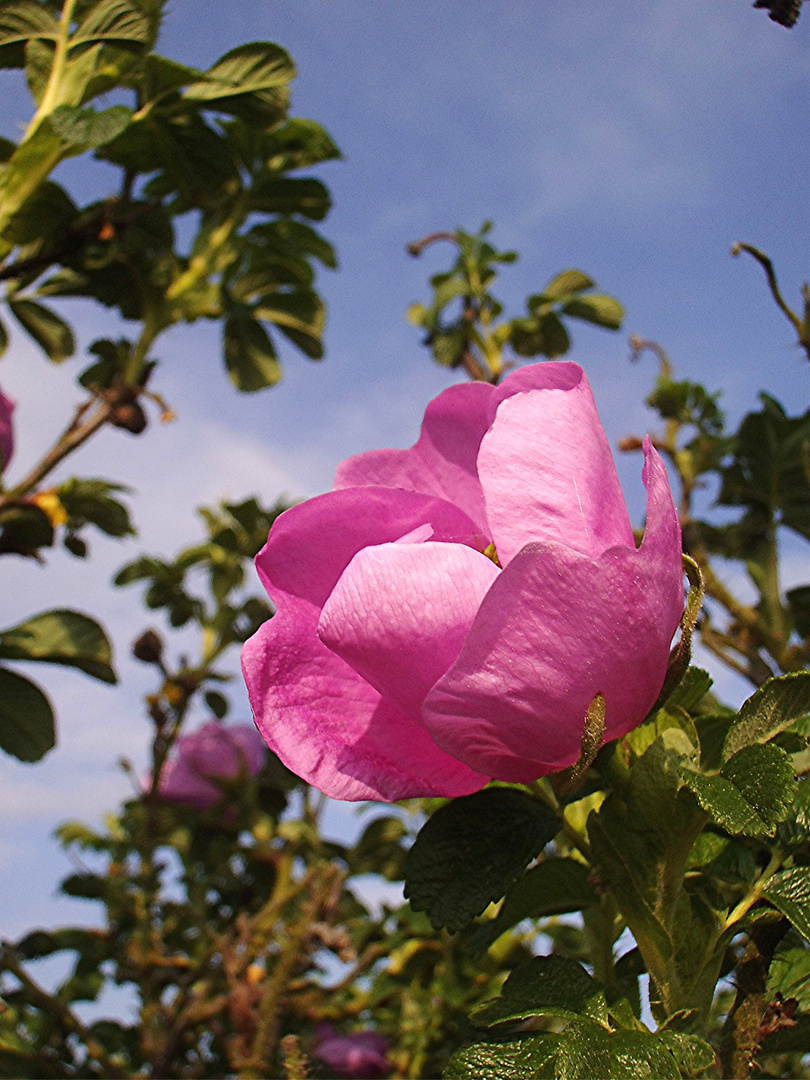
[215,752]
[6,430]
[360,1055]
[403,661]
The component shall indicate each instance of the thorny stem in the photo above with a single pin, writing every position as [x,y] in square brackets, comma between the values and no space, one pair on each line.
[268,1027]
[741,1035]
[47,1002]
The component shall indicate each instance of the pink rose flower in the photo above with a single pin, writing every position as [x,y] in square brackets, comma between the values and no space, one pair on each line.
[6,430]
[215,752]
[403,661]
[359,1056]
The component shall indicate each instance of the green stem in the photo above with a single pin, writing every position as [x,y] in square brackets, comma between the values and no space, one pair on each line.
[41,150]
[754,893]
[50,99]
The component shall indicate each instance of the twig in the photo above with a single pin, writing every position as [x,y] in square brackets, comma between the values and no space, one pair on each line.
[9,960]
[770,274]
[76,433]
[418,246]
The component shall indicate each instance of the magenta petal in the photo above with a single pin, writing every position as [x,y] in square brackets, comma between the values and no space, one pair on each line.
[443,461]
[6,430]
[400,613]
[554,630]
[548,473]
[322,719]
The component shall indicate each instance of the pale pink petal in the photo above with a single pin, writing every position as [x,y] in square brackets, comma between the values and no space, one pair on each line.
[443,461]
[400,613]
[555,629]
[331,728]
[311,544]
[327,724]
[662,546]
[548,474]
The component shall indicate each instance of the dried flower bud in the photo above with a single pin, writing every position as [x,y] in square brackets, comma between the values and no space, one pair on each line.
[130,416]
[148,647]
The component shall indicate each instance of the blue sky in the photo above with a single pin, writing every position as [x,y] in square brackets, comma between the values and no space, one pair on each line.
[636,140]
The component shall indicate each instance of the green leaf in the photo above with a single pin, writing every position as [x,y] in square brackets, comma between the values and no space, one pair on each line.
[753,793]
[27,730]
[723,858]
[24,19]
[799,602]
[90,502]
[249,354]
[601,310]
[3,341]
[691,690]
[472,850]
[291,195]
[379,850]
[298,144]
[789,975]
[24,529]
[299,315]
[636,835]
[776,705]
[250,80]
[61,637]
[290,237]
[51,333]
[553,887]
[790,1040]
[569,281]
[543,986]
[589,1050]
[673,725]
[49,209]
[790,893]
[112,21]
[693,1055]
[217,703]
[544,335]
[84,128]
[529,1058]
[448,347]
[556,341]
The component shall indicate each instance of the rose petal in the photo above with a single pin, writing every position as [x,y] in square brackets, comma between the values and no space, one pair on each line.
[324,721]
[179,783]
[443,461]
[310,545]
[400,613]
[548,474]
[331,728]
[554,630]
[6,430]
